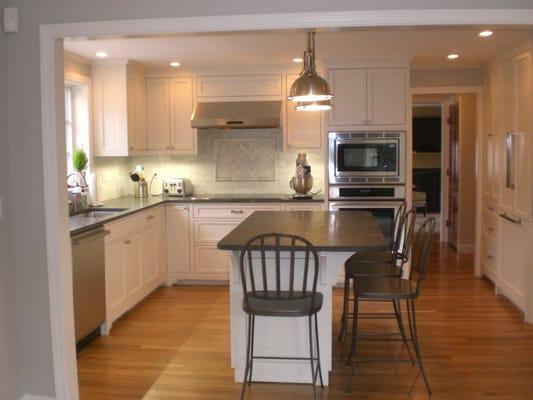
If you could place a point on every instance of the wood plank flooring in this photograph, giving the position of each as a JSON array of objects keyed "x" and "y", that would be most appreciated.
[{"x": 175, "y": 345}]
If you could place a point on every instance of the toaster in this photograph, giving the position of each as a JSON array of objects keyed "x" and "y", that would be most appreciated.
[{"x": 178, "y": 187}]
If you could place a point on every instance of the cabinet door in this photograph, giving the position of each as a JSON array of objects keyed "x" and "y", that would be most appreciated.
[
  {"x": 387, "y": 96},
  {"x": 136, "y": 113},
  {"x": 349, "y": 104},
  {"x": 110, "y": 130},
  {"x": 303, "y": 130},
  {"x": 178, "y": 242},
  {"x": 182, "y": 136},
  {"x": 157, "y": 114},
  {"x": 211, "y": 261},
  {"x": 133, "y": 269},
  {"x": 150, "y": 256},
  {"x": 115, "y": 265},
  {"x": 524, "y": 149}
]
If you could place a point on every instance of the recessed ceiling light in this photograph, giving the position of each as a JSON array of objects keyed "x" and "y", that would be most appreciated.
[
  {"x": 485, "y": 33},
  {"x": 101, "y": 54},
  {"x": 453, "y": 56},
  {"x": 174, "y": 64},
  {"x": 298, "y": 60}
]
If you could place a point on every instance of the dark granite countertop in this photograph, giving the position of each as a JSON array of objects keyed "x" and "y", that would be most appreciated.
[
  {"x": 327, "y": 230},
  {"x": 127, "y": 205}
]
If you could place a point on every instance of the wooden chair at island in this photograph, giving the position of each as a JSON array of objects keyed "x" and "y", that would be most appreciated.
[{"x": 267, "y": 294}]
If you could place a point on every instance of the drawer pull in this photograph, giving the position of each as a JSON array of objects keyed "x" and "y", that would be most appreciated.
[
  {"x": 492, "y": 209},
  {"x": 237, "y": 211},
  {"x": 490, "y": 257},
  {"x": 490, "y": 229},
  {"x": 127, "y": 241},
  {"x": 517, "y": 221},
  {"x": 150, "y": 217}
]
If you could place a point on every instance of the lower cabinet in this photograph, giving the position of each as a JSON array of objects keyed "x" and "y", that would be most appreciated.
[
  {"x": 194, "y": 230},
  {"x": 178, "y": 242},
  {"x": 135, "y": 261}
]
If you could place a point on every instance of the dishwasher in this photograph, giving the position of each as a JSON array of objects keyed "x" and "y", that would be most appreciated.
[{"x": 88, "y": 275}]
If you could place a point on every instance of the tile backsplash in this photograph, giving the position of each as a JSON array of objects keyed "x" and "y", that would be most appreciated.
[{"x": 233, "y": 161}]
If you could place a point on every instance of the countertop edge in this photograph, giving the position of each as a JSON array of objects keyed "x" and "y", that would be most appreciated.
[{"x": 185, "y": 200}]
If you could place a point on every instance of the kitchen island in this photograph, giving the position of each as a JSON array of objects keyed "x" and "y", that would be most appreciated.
[{"x": 336, "y": 236}]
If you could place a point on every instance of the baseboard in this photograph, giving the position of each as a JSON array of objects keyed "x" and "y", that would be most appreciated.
[
  {"x": 466, "y": 248},
  {"x": 35, "y": 397}
]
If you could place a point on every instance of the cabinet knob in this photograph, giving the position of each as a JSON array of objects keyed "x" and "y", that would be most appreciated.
[
  {"x": 237, "y": 211},
  {"x": 150, "y": 217},
  {"x": 127, "y": 241}
]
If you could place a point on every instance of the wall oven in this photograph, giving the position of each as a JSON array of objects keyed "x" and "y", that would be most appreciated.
[{"x": 366, "y": 157}]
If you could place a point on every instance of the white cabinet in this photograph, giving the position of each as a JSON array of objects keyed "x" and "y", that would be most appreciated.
[
  {"x": 238, "y": 86},
  {"x": 178, "y": 242},
  {"x": 169, "y": 110},
  {"x": 368, "y": 96},
  {"x": 515, "y": 259},
  {"x": 303, "y": 130},
  {"x": 182, "y": 136},
  {"x": 135, "y": 260},
  {"x": 119, "y": 127},
  {"x": 514, "y": 141},
  {"x": 158, "y": 114},
  {"x": 350, "y": 91}
]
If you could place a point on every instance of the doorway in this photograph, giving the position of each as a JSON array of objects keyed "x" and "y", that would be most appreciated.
[{"x": 448, "y": 166}]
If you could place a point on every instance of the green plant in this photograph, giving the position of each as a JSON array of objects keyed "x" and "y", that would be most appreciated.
[{"x": 79, "y": 160}]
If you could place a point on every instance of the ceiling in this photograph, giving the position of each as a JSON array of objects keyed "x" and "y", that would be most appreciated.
[{"x": 424, "y": 47}]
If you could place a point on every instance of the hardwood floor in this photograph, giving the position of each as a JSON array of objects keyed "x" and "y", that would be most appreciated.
[{"x": 175, "y": 345}]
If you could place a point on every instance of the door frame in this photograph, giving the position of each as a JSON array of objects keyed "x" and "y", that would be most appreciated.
[
  {"x": 58, "y": 252},
  {"x": 451, "y": 90}
]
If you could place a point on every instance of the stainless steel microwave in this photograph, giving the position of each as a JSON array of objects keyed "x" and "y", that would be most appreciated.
[{"x": 366, "y": 157}]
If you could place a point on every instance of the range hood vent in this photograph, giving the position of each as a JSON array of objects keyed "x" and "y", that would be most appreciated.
[{"x": 237, "y": 115}]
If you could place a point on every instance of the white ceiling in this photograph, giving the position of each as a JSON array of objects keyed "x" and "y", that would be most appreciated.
[{"x": 425, "y": 47}]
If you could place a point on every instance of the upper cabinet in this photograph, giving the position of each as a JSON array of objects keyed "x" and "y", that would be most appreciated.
[
  {"x": 169, "y": 109},
  {"x": 303, "y": 129},
  {"x": 233, "y": 87},
  {"x": 119, "y": 122},
  {"x": 513, "y": 139},
  {"x": 368, "y": 96}
]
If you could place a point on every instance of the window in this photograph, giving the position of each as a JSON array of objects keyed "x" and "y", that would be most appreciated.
[{"x": 76, "y": 120}]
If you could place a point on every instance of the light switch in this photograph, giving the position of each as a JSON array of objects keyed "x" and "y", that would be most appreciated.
[{"x": 11, "y": 19}]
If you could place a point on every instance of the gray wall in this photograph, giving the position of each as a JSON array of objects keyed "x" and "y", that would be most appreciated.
[
  {"x": 28, "y": 239},
  {"x": 8, "y": 365}
]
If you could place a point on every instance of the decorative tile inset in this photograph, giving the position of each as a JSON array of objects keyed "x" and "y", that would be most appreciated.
[{"x": 245, "y": 159}]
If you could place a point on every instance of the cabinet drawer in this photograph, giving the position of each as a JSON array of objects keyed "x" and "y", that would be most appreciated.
[
  {"x": 209, "y": 232},
  {"x": 122, "y": 227},
  {"x": 210, "y": 260},
  {"x": 152, "y": 215},
  {"x": 231, "y": 211},
  {"x": 303, "y": 207},
  {"x": 489, "y": 250},
  {"x": 490, "y": 223}
]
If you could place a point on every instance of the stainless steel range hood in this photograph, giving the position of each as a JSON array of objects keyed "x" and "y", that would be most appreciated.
[{"x": 237, "y": 115}]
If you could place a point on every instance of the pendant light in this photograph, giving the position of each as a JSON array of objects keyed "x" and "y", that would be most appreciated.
[
  {"x": 323, "y": 105},
  {"x": 310, "y": 87}
]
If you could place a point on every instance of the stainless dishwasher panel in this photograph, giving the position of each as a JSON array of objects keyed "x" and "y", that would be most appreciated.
[{"x": 88, "y": 274}]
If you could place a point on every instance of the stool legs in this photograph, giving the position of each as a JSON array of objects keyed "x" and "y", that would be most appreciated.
[
  {"x": 414, "y": 335},
  {"x": 398, "y": 312},
  {"x": 318, "y": 353},
  {"x": 344, "y": 307},
  {"x": 249, "y": 356}
]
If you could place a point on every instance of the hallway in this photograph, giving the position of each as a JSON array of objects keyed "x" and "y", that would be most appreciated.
[{"x": 175, "y": 345}]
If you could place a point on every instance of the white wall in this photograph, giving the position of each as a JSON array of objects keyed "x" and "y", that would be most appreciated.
[{"x": 34, "y": 352}]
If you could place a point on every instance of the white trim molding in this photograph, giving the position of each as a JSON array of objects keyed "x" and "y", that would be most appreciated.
[
  {"x": 34, "y": 397},
  {"x": 56, "y": 223}
]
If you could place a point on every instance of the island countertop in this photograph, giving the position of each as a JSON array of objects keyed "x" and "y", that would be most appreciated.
[{"x": 332, "y": 231}]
